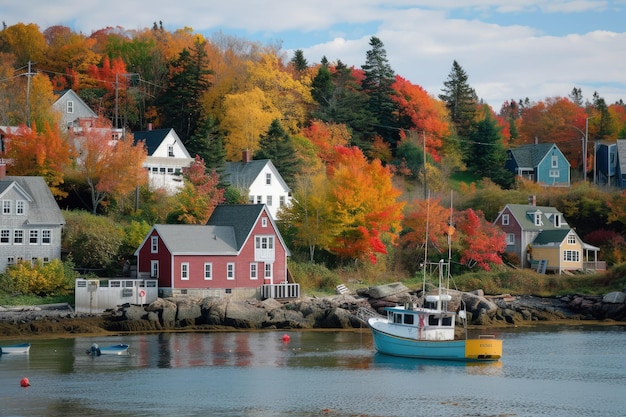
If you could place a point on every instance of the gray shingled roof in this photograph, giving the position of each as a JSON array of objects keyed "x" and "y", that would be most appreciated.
[
  {"x": 529, "y": 156},
  {"x": 241, "y": 217},
  {"x": 43, "y": 209},
  {"x": 241, "y": 174},
  {"x": 197, "y": 239}
]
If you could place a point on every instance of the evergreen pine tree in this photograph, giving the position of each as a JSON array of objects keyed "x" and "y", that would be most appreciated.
[
  {"x": 179, "y": 105},
  {"x": 460, "y": 99},
  {"x": 377, "y": 84},
  {"x": 298, "y": 61},
  {"x": 486, "y": 156},
  {"x": 277, "y": 146}
]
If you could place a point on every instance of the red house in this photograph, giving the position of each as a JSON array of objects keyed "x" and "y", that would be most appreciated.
[{"x": 237, "y": 253}]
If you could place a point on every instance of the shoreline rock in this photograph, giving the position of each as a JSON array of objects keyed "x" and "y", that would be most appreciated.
[{"x": 332, "y": 312}]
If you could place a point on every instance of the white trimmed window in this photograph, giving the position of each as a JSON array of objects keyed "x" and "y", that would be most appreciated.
[
  {"x": 33, "y": 237},
  {"x": 281, "y": 200},
  {"x": 6, "y": 206},
  {"x": 18, "y": 237},
  {"x": 11, "y": 260},
  {"x": 571, "y": 239},
  {"x": 5, "y": 236},
  {"x": 269, "y": 269},
  {"x": 154, "y": 244},
  {"x": 505, "y": 220},
  {"x": 264, "y": 222},
  {"x": 268, "y": 178},
  {"x": 19, "y": 207},
  {"x": 184, "y": 271},
  {"x": 254, "y": 274},
  {"x": 510, "y": 239},
  {"x": 230, "y": 271},
  {"x": 170, "y": 150},
  {"x": 208, "y": 271},
  {"x": 571, "y": 256},
  {"x": 555, "y": 161},
  {"x": 259, "y": 199},
  {"x": 268, "y": 200},
  {"x": 69, "y": 107},
  {"x": 46, "y": 236},
  {"x": 154, "y": 269}
]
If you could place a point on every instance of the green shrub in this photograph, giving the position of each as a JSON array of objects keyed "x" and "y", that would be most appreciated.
[{"x": 52, "y": 279}]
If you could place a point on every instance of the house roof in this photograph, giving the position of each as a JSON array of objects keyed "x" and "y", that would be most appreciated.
[
  {"x": 197, "y": 239},
  {"x": 529, "y": 156},
  {"x": 241, "y": 217},
  {"x": 547, "y": 237},
  {"x": 243, "y": 174},
  {"x": 43, "y": 208},
  {"x": 524, "y": 214},
  {"x": 152, "y": 138}
]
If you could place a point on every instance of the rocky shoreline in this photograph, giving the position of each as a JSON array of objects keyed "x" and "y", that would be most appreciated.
[{"x": 333, "y": 312}]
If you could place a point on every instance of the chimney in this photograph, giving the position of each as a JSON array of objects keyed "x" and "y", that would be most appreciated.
[
  {"x": 245, "y": 156},
  {"x": 532, "y": 200},
  {"x": 149, "y": 127},
  {"x": 3, "y": 169},
  {"x": 536, "y": 140}
]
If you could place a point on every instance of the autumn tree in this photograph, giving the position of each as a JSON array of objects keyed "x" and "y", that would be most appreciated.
[
  {"x": 246, "y": 117},
  {"x": 110, "y": 167},
  {"x": 44, "y": 154},
  {"x": 309, "y": 218},
  {"x": 25, "y": 42},
  {"x": 481, "y": 243},
  {"x": 364, "y": 205},
  {"x": 460, "y": 99},
  {"x": 199, "y": 196}
]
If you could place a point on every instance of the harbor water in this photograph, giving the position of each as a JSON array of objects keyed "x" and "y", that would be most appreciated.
[{"x": 547, "y": 370}]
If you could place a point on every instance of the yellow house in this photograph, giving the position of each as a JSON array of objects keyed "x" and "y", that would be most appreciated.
[{"x": 562, "y": 249}]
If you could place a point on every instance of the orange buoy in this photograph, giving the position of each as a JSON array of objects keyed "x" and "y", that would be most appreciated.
[
  {"x": 286, "y": 338},
  {"x": 24, "y": 382}
]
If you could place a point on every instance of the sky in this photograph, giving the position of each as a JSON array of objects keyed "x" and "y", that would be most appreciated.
[{"x": 510, "y": 49}]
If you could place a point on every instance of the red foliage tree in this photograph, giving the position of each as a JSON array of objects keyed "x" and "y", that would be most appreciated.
[{"x": 481, "y": 242}]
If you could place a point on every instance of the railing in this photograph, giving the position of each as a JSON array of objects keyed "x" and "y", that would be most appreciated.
[
  {"x": 282, "y": 290},
  {"x": 596, "y": 266},
  {"x": 363, "y": 314}
]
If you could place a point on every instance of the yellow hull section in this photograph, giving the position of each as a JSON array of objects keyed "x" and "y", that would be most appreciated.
[{"x": 483, "y": 349}]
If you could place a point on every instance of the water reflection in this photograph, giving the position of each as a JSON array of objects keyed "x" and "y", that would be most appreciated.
[{"x": 423, "y": 365}]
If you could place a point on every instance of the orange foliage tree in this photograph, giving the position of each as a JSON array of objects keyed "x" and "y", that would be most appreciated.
[
  {"x": 110, "y": 167},
  {"x": 421, "y": 112},
  {"x": 44, "y": 154},
  {"x": 364, "y": 205},
  {"x": 424, "y": 214}
]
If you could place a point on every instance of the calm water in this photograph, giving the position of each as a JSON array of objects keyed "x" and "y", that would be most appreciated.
[{"x": 546, "y": 371}]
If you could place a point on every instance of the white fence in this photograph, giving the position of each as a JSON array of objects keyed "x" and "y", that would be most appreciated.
[
  {"x": 280, "y": 291},
  {"x": 97, "y": 295}
]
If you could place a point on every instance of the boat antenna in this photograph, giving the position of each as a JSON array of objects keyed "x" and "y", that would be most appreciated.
[{"x": 426, "y": 244}]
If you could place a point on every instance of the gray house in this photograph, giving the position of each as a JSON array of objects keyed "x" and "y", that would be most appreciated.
[
  {"x": 73, "y": 109},
  {"x": 30, "y": 221}
]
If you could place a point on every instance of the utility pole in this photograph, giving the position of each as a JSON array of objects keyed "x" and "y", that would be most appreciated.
[{"x": 28, "y": 75}]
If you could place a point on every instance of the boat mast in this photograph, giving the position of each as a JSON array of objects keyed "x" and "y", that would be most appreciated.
[{"x": 426, "y": 246}]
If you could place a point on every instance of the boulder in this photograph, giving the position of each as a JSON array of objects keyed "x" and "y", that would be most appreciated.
[
  {"x": 387, "y": 290},
  {"x": 187, "y": 310},
  {"x": 243, "y": 315},
  {"x": 134, "y": 312},
  {"x": 166, "y": 310},
  {"x": 616, "y": 297}
]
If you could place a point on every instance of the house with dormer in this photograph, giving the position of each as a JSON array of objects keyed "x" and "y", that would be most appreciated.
[
  {"x": 239, "y": 253},
  {"x": 30, "y": 221},
  {"x": 260, "y": 181},
  {"x": 541, "y": 238},
  {"x": 543, "y": 163},
  {"x": 167, "y": 156}
]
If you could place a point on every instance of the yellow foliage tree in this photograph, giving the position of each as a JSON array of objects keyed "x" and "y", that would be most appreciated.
[{"x": 247, "y": 116}]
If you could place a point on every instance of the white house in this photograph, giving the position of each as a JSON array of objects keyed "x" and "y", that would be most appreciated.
[
  {"x": 260, "y": 180},
  {"x": 167, "y": 156}
]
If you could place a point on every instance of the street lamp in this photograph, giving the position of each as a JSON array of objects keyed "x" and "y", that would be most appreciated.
[{"x": 585, "y": 135}]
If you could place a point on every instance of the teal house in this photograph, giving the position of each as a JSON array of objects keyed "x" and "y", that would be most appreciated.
[{"x": 543, "y": 163}]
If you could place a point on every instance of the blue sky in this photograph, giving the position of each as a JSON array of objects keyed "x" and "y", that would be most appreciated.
[{"x": 510, "y": 49}]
